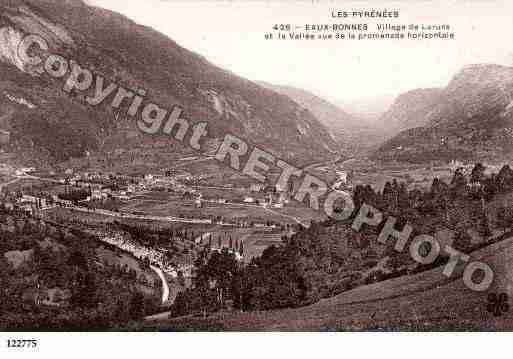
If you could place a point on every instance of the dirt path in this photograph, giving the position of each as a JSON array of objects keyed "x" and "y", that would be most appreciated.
[{"x": 165, "y": 286}]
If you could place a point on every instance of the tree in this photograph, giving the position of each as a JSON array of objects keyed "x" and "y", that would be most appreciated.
[
  {"x": 390, "y": 194},
  {"x": 84, "y": 292},
  {"x": 137, "y": 306},
  {"x": 504, "y": 179},
  {"x": 505, "y": 217},
  {"x": 477, "y": 174},
  {"x": 5, "y": 269},
  {"x": 462, "y": 241},
  {"x": 403, "y": 196},
  {"x": 458, "y": 183},
  {"x": 483, "y": 226},
  {"x": 241, "y": 248},
  {"x": 439, "y": 187}
]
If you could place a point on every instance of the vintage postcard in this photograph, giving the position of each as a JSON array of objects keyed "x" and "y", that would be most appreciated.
[{"x": 255, "y": 166}]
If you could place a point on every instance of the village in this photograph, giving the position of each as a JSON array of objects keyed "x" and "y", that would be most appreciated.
[{"x": 47, "y": 194}]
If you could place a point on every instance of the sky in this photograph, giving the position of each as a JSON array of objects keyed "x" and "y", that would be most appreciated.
[{"x": 230, "y": 34}]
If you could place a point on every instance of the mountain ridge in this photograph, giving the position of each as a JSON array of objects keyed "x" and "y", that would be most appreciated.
[
  {"x": 470, "y": 119},
  {"x": 353, "y": 132},
  {"x": 136, "y": 56}
]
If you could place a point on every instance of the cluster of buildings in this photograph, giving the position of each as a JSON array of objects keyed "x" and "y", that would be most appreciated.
[
  {"x": 344, "y": 180},
  {"x": 103, "y": 186},
  {"x": 465, "y": 168},
  {"x": 53, "y": 297},
  {"x": 19, "y": 100},
  {"x": 32, "y": 204},
  {"x": 8, "y": 170},
  {"x": 154, "y": 256},
  {"x": 276, "y": 200},
  {"x": 141, "y": 252},
  {"x": 267, "y": 196}
]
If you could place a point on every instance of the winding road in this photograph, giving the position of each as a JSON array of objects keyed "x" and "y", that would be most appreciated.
[{"x": 165, "y": 285}]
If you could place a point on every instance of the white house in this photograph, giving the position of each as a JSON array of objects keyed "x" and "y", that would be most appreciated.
[
  {"x": 342, "y": 176},
  {"x": 96, "y": 194},
  {"x": 256, "y": 187}
]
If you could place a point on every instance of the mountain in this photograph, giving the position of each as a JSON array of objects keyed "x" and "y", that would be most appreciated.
[
  {"x": 353, "y": 132},
  {"x": 48, "y": 125},
  {"x": 471, "y": 118},
  {"x": 410, "y": 110}
]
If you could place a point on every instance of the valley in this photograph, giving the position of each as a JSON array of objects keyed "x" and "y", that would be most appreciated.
[{"x": 107, "y": 226}]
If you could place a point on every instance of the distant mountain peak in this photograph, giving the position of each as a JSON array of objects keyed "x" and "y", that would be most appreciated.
[
  {"x": 352, "y": 132},
  {"x": 469, "y": 118}
]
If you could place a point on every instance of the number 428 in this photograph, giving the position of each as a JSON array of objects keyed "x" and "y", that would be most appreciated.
[{"x": 282, "y": 27}]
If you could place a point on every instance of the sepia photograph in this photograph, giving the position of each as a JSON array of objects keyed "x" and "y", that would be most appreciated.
[{"x": 254, "y": 166}]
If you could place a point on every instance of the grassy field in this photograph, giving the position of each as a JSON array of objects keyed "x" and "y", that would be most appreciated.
[
  {"x": 427, "y": 301},
  {"x": 35, "y": 184},
  {"x": 100, "y": 219},
  {"x": 186, "y": 208}
]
